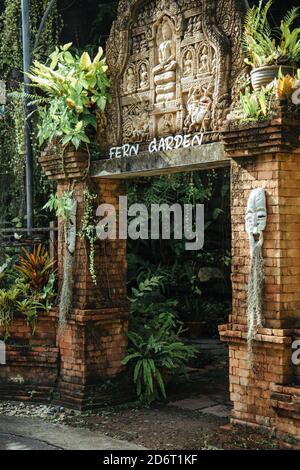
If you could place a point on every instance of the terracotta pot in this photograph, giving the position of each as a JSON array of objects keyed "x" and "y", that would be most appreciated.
[
  {"x": 263, "y": 76},
  {"x": 64, "y": 165}
]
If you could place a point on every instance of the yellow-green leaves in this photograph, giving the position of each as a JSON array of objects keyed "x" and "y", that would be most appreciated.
[
  {"x": 79, "y": 126},
  {"x": 101, "y": 102},
  {"x": 85, "y": 61},
  {"x": 285, "y": 86},
  {"x": 98, "y": 56},
  {"x": 74, "y": 86},
  {"x": 68, "y": 46},
  {"x": 71, "y": 104},
  {"x": 255, "y": 106}
]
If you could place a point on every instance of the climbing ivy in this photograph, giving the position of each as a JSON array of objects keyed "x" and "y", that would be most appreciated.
[
  {"x": 12, "y": 148},
  {"x": 88, "y": 230}
]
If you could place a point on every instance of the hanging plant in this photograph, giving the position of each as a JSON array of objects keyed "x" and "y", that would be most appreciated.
[
  {"x": 65, "y": 207},
  {"x": 88, "y": 230}
]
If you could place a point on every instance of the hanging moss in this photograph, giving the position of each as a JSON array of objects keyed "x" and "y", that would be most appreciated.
[{"x": 255, "y": 297}]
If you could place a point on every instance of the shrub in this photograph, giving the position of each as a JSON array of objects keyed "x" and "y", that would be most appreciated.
[
  {"x": 8, "y": 302},
  {"x": 156, "y": 353},
  {"x": 74, "y": 86},
  {"x": 256, "y": 106}
]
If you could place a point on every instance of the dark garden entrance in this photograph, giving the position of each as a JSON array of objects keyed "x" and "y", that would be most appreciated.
[
  {"x": 197, "y": 287},
  {"x": 194, "y": 286}
]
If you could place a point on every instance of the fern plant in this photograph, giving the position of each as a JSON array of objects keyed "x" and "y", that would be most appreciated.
[
  {"x": 155, "y": 352},
  {"x": 30, "y": 308},
  {"x": 256, "y": 105},
  {"x": 265, "y": 45},
  {"x": 289, "y": 43}
]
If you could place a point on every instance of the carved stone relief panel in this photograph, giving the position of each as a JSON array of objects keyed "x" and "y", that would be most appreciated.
[
  {"x": 165, "y": 68},
  {"x": 173, "y": 65},
  {"x": 144, "y": 75},
  {"x": 136, "y": 123}
]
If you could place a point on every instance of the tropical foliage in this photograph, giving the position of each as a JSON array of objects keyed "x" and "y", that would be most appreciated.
[
  {"x": 169, "y": 258},
  {"x": 36, "y": 267},
  {"x": 261, "y": 105},
  {"x": 8, "y": 299},
  {"x": 27, "y": 287},
  {"x": 256, "y": 105},
  {"x": 74, "y": 86},
  {"x": 156, "y": 352},
  {"x": 165, "y": 290},
  {"x": 12, "y": 154},
  {"x": 265, "y": 45},
  {"x": 61, "y": 205}
]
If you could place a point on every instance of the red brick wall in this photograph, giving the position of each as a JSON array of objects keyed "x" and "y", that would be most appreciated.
[
  {"x": 45, "y": 335},
  {"x": 253, "y": 389},
  {"x": 94, "y": 341},
  {"x": 110, "y": 255},
  {"x": 31, "y": 368}
]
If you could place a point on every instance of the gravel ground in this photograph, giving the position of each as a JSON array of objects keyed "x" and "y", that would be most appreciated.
[
  {"x": 190, "y": 421},
  {"x": 160, "y": 427}
]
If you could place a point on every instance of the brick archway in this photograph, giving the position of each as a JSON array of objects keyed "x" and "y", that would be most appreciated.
[{"x": 265, "y": 155}]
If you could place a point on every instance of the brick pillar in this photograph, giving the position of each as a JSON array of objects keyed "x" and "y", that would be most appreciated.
[
  {"x": 94, "y": 341},
  {"x": 268, "y": 156}
]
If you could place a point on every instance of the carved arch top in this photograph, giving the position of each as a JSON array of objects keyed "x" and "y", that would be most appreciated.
[{"x": 173, "y": 66}]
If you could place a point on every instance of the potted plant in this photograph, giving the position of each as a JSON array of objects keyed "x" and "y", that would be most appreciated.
[
  {"x": 74, "y": 87},
  {"x": 270, "y": 49}
]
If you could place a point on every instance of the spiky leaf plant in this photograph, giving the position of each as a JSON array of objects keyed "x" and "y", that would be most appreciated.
[{"x": 36, "y": 267}]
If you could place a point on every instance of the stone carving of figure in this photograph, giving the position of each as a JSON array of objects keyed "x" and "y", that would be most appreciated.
[
  {"x": 166, "y": 124},
  {"x": 188, "y": 64},
  {"x": 165, "y": 4},
  {"x": 136, "y": 125},
  {"x": 256, "y": 221},
  {"x": 144, "y": 76},
  {"x": 130, "y": 81},
  {"x": 204, "y": 60},
  {"x": 256, "y": 218},
  {"x": 144, "y": 126},
  {"x": 199, "y": 109},
  {"x": 165, "y": 72}
]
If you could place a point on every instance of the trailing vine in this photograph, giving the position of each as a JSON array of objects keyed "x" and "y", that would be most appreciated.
[
  {"x": 10, "y": 46},
  {"x": 12, "y": 154},
  {"x": 64, "y": 206},
  {"x": 88, "y": 230}
]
